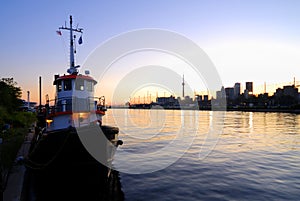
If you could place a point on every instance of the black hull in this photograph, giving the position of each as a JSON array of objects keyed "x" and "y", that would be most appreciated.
[
  {"x": 60, "y": 168},
  {"x": 63, "y": 149}
]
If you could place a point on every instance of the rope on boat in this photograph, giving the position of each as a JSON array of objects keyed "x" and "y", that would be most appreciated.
[
  {"x": 43, "y": 166},
  {"x": 36, "y": 166}
]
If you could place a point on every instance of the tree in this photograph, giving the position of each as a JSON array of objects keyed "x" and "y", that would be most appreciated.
[
  {"x": 10, "y": 113},
  {"x": 10, "y": 95}
]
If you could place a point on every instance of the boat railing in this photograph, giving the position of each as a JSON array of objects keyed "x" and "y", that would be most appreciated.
[{"x": 75, "y": 104}]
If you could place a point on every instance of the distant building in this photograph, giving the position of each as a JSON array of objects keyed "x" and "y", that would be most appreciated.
[
  {"x": 290, "y": 91},
  {"x": 221, "y": 94},
  {"x": 246, "y": 93},
  {"x": 249, "y": 86},
  {"x": 188, "y": 100},
  {"x": 287, "y": 91},
  {"x": 28, "y": 106},
  {"x": 198, "y": 98},
  {"x": 165, "y": 100},
  {"x": 229, "y": 91},
  {"x": 237, "y": 89},
  {"x": 204, "y": 103},
  {"x": 287, "y": 96}
]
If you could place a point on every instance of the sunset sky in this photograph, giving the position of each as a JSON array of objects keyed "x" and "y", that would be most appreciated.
[{"x": 255, "y": 41}]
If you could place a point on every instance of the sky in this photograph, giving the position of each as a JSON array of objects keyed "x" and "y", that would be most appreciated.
[{"x": 253, "y": 40}]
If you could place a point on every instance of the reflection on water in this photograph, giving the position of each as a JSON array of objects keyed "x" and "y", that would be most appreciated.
[
  {"x": 265, "y": 131},
  {"x": 257, "y": 156}
]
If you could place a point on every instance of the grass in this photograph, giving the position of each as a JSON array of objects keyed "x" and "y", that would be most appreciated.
[{"x": 12, "y": 141}]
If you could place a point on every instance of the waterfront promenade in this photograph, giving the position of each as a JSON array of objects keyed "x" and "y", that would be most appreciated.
[{"x": 14, "y": 186}]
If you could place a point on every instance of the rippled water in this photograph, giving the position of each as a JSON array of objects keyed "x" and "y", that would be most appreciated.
[{"x": 249, "y": 156}]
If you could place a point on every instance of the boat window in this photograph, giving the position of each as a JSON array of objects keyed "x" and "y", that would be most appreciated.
[
  {"x": 59, "y": 86},
  {"x": 68, "y": 85},
  {"x": 89, "y": 86},
  {"x": 79, "y": 84}
]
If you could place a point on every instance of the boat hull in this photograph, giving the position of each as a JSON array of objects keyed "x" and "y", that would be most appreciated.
[
  {"x": 60, "y": 168},
  {"x": 63, "y": 148}
]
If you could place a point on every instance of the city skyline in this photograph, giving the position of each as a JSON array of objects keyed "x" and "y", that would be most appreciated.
[
  {"x": 255, "y": 41},
  {"x": 149, "y": 95}
]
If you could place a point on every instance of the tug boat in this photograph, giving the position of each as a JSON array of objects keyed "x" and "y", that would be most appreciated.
[
  {"x": 57, "y": 144},
  {"x": 59, "y": 166}
]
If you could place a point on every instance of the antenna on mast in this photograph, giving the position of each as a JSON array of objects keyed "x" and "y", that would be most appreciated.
[{"x": 73, "y": 68}]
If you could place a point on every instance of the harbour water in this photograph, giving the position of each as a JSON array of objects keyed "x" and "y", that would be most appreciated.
[{"x": 253, "y": 156}]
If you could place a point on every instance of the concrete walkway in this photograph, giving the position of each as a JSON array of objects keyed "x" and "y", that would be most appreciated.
[{"x": 16, "y": 176}]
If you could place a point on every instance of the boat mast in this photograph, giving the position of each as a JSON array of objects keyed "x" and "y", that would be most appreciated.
[{"x": 73, "y": 68}]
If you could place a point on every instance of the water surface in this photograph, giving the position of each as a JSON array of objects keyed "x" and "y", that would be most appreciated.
[{"x": 257, "y": 156}]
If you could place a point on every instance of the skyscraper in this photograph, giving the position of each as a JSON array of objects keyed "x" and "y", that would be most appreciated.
[
  {"x": 237, "y": 89},
  {"x": 249, "y": 86}
]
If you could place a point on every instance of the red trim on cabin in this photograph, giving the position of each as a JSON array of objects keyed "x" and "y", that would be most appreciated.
[
  {"x": 100, "y": 112},
  {"x": 59, "y": 113},
  {"x": 66, "y": 77}
]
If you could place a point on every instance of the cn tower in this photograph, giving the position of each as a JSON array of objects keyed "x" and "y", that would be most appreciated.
[{"x": 183, "y": 86}]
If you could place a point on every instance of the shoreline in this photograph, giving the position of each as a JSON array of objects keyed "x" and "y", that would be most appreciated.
[
  {"x": 268, "y": 110},
  {"x": 277, "y": 110}
]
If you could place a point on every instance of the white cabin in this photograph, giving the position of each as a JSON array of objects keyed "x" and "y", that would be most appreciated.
[{"x": 75, "y": 104}]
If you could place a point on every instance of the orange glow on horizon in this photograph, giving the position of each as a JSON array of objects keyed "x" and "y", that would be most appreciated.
[{"x": 141, "y": 95}]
